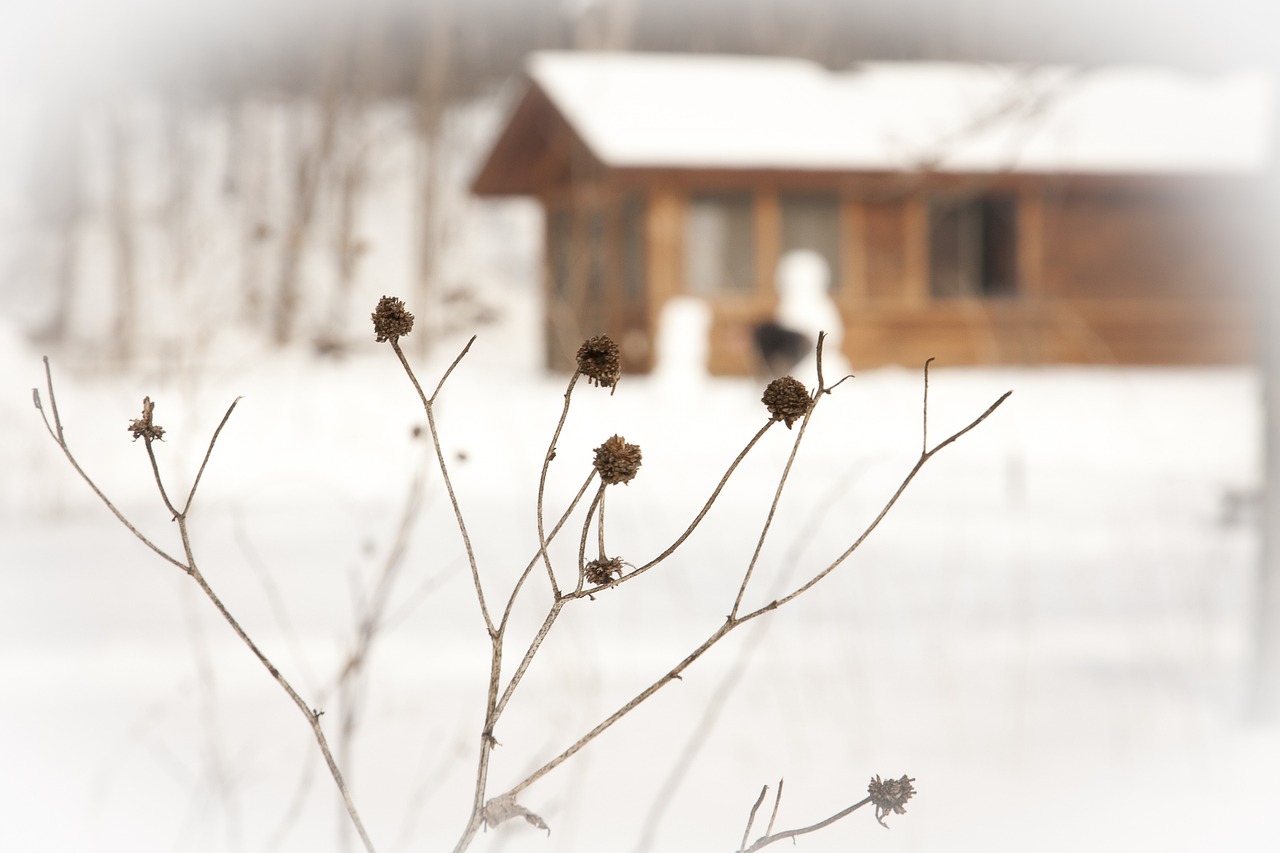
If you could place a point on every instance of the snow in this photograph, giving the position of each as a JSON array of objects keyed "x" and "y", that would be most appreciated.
[
  {"x": 740, "y": 112},
  {"x": 1049, "y": 632}
]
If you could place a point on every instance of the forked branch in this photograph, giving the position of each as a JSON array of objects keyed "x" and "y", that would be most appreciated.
[{"x": 146, "y": 429}]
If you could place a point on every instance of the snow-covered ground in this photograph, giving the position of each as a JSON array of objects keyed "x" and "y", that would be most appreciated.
[{"x": 1049, "y": 633}]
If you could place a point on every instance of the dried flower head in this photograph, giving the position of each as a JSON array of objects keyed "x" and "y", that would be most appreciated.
[
  {"x": 145, "y": 427},
  {"x": 616, "y": 461},
  {"x": 603, "y": 570},
  {"x": 390, "y": 320},
  {"x": 890, "y": 795},
  {"x": 787, "y": 400},
  {"x": 598, "y": 361}
]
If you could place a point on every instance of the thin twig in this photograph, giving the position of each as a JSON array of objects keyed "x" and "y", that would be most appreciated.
[
  {"x": 736, "y": 621},
  {"x": 702, "y": 513},
  {"x": 751, "y": 818},
  {"x": 155, "y": 470},
  {"x": 608, "y": 722},
  {"x": 428, "y": 405},
  {"x": 924, "y": 410},
  {"x": 190, "y": 567},
  {"x": 777, "y": 801},
  {"x": 819, "y": 392},
  {"x": 195, "y": 484},
  {"x": 793, "y": 833},
  {"x": 313, "y": 716},
  {"x": 596, "y": 503},
  {"x": 55, "y": 432},
  {"x": 902, "y": 487},
  {"x": 542, "y": 484},
  {"x": 511, "y": 601},
  {"x": 773, "y": 505}
]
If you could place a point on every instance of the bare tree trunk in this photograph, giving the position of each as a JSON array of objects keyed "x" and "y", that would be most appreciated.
[
  {"x": 433, "y": 89},
  {"x": 124, "y": 325},
  {"x": 56, "y": 201},
  {"x": 351, "y": 172},
  {"x": 310, "y": 159}
]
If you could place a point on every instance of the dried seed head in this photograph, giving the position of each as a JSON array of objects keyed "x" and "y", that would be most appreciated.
[
  {"x": 890, "y": 795},
  {"x": 603, "y": 570},
  {"x": 598, "y": 361},
  {"x": 616, "y": 461},
  {"x": 145, "y": 427},
  {"x": 787, "y": 400},
  {"x": 390, "y": 320}
]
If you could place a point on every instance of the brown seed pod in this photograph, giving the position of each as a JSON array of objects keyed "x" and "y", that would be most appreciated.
[
  {"x": 890, "y": 795},
  {"x": 390, "y": 320},
  {"x": 598, "y": 360},
  {"x": 145, "y": 427},
  {"x": 603, "y": 570},
  {"x": 787, "y": 400},
  {"x": 616, "y": 461}
]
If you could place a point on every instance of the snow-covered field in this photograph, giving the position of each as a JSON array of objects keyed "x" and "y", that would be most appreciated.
[{"x": 1049, "y": 633}]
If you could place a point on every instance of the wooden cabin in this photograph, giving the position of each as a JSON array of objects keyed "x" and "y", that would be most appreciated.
[{"x": 977, "y": 214}]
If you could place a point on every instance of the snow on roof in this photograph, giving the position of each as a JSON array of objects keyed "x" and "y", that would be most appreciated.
[{"x": 655, "y": 110}]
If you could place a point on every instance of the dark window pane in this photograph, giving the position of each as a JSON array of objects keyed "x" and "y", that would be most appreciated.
[
  {"x": 719, "y": 245},
  {"x": 633, "y": 233},
  {"x": 973, "y": 247},
  {"x": 812, "y": 221},
  {"x": 561, "y": 227}
]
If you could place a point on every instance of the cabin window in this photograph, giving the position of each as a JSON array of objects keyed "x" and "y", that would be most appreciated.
[
  {"x": 812, "y": 221},
  {"x": 633, "y": 262},
  {"x": 561, "y": 246},
  {"x": 973, "y": 246},
  {"x": 719, "y": 244},
  {"x": 594, "y": 314}
]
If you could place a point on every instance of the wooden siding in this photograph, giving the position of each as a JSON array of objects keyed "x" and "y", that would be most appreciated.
[{"x": 1110, "y": 269}]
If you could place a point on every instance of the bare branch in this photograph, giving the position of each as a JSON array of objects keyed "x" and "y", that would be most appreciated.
[
  {"x": 428, "y": 406},
  {"x": 924, "y": 409},
  {"x": 506, "y": 613},
  {"x": 793, "y": 833},
  {"x": 751, "y": 818},
  {"x": 773, "y": 505},
  {"x": 209, "y": 452},
  {"x": 454, "y": 364},
  {"x": 777, "y": 801},
  {"x": 902, "y": 487},
  {"x": 702, "y": 513},
  {"x": 55, "y": 432},
  {"x": 155, "y": 470},
  {"x": 542, "y": 484}
]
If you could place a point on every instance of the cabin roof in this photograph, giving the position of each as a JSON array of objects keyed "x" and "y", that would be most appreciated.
[{"x": 668, "y": 111}]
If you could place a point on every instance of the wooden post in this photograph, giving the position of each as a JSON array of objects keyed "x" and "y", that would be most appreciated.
[
  {"x": 768, "y": 243},
  {"x": 853, "y": 287},
  {"x": 915, "y": 246}
]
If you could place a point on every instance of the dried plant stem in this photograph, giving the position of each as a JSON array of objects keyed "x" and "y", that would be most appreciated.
[
  {"x": 596, "y": 509},
  {"x": 190, "y": 567},
  {"x": 428, "y": 405},
  {"x": 777, "y": 801},
  {"x": 542, "y": 485},
  {"x": 524, "y": 576},
  {"x": 751, "y": 818},
  {"x": 735, "y": 621},
  {"x": 313, "y": 716},
  {"x": 773, "y": 506},
  {"x": 608, "y": 722},
  {"x": 768, "y": 839},
  {"x": 920, "y": 463},
  {"x": 55, "y": 432},
  {"x": 702, "y": 513}
]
